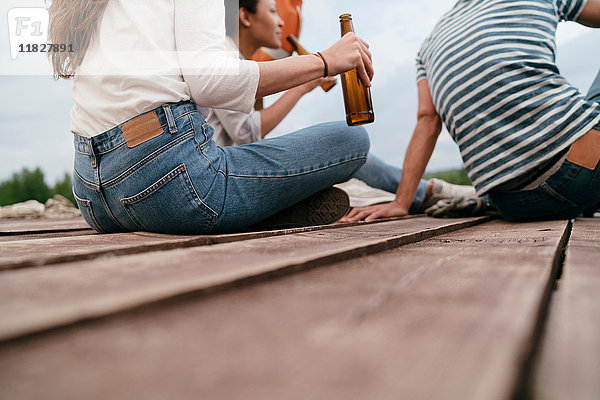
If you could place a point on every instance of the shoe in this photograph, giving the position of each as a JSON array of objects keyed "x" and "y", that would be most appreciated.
[
  {"x": 322, "y": 208},
  {"x": 362, "y": 195},
  {"x": 443, "y": 190},
  {"x": 459, "y": 208}
]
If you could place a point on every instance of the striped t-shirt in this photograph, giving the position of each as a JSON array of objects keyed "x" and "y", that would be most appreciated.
[{"x": 490, "y": 66}]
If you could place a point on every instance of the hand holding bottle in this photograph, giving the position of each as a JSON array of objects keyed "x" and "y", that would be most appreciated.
[{"x": 348, "y": 53}]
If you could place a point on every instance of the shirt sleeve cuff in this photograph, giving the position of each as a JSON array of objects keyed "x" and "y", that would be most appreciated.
[{"x": 248, "y": 97}]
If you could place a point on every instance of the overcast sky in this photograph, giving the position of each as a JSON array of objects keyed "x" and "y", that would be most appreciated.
[{"x": 34, "y": 110}]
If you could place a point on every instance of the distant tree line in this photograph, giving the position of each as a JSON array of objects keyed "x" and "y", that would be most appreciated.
[{"x": 30, "y": 185}]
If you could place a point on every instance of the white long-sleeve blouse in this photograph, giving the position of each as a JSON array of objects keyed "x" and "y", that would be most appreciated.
[{"x": 149, "y": 52}]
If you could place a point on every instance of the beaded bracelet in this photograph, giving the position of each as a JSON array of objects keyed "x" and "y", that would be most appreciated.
[{"x": 326, "y": 72}]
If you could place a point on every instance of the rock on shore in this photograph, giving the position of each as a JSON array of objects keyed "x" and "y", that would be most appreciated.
[{"x": 56, "y": 207}]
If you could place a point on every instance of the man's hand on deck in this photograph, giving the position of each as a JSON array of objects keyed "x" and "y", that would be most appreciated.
[{"x": 384, "y": 210}]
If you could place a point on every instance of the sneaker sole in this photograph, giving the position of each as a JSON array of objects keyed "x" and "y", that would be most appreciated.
[{"x": 322, "y": 208}]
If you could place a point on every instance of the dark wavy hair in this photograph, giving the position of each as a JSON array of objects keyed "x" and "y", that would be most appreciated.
[{"x": 249, "y": 5}]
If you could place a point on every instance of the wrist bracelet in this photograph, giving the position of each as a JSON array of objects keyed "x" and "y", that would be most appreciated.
[{"x": 326, "y": 71}]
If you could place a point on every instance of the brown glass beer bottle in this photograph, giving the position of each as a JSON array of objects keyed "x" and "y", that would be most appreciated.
[
  {"x": 302, "y": 51},
  {"x": 357, "y": 96}
]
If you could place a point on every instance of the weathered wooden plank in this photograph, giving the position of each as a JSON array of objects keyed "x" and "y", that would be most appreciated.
[
  {"x": 38, "y": 299},
  {"x": 47, "y": 235},
  {"x": 446, "y": 318},
  {"x": 29, "y": 226},
  {"x": 43, "y": 251},
  {"x": 51, "y": 225},
  {"x": 15, "y": 254},
  {"x": 569, "y": 365}
]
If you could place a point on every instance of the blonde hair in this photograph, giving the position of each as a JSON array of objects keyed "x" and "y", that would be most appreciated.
[{"x": 72, "y": 22}]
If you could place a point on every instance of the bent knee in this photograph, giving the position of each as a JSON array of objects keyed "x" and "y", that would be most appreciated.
[
  {"x": 355, "y": 136},
  {"x": 361, "y": 136},
  {"x": 348, "y": 140}
]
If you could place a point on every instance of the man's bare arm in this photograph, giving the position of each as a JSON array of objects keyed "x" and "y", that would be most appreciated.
[
  {"x": 420, "y": 148},
  {"x": 590, "y": 16},
  {"x": 417, "y": 156}
]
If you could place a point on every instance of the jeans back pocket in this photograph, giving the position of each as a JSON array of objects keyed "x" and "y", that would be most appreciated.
[
  {"x": 85, "y": 207},
  {"x": 170, "y": 205}
]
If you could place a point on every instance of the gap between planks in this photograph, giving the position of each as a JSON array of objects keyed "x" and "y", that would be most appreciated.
[
  {"x": 17, "y": 227},
  {"x": 568, "y": 363},
  {"x": 78, "y": 248},
  {"x": 526, "y": 369}
]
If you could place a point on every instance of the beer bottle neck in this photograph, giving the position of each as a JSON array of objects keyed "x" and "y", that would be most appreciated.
[{"x": 346, "y": 24}]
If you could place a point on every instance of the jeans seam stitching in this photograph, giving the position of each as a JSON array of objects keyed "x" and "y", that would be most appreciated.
[
  {"x": 137, "y": 223},
  {"x": 155, "y": 186},
  {"x": 87, "y": 203},
  {"x": 595, "y": 179},
  {"x": 147, "y": 192},
  {"x": 100, "y": 153},
  {"x": 185, "y": 114},
  {"x": 199, "y": 145},
  {"x": 206, "y": 141},
  {"x": 216, "y": 214},
  {"x": 146, "y": 160},
  {"x": 180, "y": 170},
  {"x": 171, "y": 124},
  {"x": 84, "y": 182},
  {"x": 296, "y": 174},
  {"x": 109, "y": 211},
  {"x": 550, "y": 191}
]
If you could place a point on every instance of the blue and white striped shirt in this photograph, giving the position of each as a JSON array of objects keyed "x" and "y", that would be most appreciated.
[{"x": 490, "y": 66}]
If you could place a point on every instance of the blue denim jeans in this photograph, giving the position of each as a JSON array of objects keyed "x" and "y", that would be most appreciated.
[
  {"x": 570, "y": 191},
  {"x": 380, "y": 175},
  {"x": 182, "y": 182}
]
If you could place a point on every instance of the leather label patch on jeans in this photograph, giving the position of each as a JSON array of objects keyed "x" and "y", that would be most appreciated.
[
  {"x": 141, "y": 129},
  {"x": 586, "y": 150}
]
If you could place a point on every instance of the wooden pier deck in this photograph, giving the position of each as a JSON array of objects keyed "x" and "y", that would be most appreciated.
[{"x": 411, "y": 308}]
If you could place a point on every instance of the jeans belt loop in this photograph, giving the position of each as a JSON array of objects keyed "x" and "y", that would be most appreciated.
[
  {"x": 92, "y": 153},
  {"x": 170, "y": 119}
]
